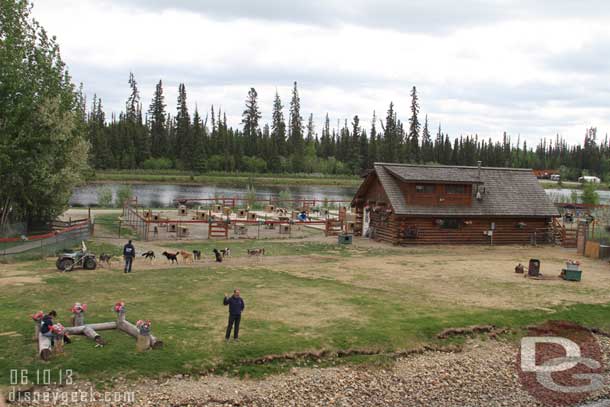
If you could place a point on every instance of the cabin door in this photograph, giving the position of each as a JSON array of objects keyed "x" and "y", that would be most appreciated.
[{"x": 366, "y": 221}]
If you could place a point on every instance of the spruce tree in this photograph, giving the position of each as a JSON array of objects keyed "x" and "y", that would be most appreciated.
[
  {"x": 156, "y": 124},
  {"x": 278, "y": 134},
  {"x": 184, "y": 145},
  {"x": 250, "y": 120},
  {"x": 296, "y": 144},
  {"x": 414, "y": 125}
]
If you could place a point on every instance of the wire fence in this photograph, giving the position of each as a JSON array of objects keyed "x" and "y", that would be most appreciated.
[{"x": 49, "y": 244}]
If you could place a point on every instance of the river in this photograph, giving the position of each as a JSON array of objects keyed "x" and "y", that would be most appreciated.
[{"x": 163, "y": 195}]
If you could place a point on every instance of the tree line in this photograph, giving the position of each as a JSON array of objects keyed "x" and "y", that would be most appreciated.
[
  {"x": 200, "y": 142},
  {"x": 49, "y": 137}
]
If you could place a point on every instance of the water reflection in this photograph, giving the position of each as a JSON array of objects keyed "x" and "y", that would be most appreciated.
[{"x": 163, "y": 195}]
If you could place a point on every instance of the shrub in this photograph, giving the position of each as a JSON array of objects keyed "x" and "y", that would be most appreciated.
[
  {"x": 157, "y": 164},
  {"x": 104, "y": 196},
  {"x": 285, "y": 198},
  {"x": 123, "y": 194},
  {"x": 589, "y": 194},
  {"x": 254, "y": 164}
]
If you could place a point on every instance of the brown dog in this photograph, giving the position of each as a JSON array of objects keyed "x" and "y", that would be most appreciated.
[{"x": 186, "y": 256}]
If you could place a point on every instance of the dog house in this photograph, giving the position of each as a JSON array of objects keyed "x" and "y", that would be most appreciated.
[
  {"x": 251, "y": 216},
  {"x": 217, "y": 208},
  {"x": 269, "y": 208},
  {"x": 156, "y": 217},
  {"x": 242, "y": 213},
  {"x": 324, "y": 212},
  {"x": 172, "y": 227},
  {"x": 201, "y": 216},
  {"x": 148, "y": 214},
  {"x": 183, "y": 231},
  {"x": 182, "y": 211},
  {"x": 284, "y": 229}
]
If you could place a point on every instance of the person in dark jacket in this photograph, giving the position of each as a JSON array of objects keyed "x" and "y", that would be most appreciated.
[
  {"x": 236, "y": 306},
  {"x": 47, "y": 323},
  {"x": 129, "y": 252}
]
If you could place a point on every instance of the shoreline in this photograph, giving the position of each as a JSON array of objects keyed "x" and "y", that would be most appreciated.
[{"x": 256, "y": 180}]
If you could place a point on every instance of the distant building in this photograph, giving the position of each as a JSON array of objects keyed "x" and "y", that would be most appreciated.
[
  {"x": 589, "y": 179},
  {"x": 414, "y": 204},
  {"x": 545, "y": 174}
]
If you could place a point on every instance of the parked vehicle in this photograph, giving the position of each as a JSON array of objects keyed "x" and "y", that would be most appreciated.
[
  {"x": 590, "y": 179},
  {"x": 79, "y": 259},
  {"x": 555, "y": 177}
]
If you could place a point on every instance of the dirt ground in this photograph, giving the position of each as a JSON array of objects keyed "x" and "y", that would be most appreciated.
[
  {"x": 472, "y": 275},
  {"x": 462, "y": 275}
]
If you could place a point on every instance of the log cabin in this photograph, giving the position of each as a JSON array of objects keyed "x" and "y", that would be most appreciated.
[{"x": 436, "y": 204}]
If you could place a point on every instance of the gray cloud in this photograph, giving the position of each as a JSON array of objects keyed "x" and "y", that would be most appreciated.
[
  {"x": 413, "y": 16},
  {"x": 592, "y": 58},
  {"x": 431, "y": 16}
]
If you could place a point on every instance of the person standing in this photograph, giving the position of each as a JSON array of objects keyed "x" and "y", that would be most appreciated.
[
  {"x": 236, "y": 306},
  {"x": 129, "y": 252}
]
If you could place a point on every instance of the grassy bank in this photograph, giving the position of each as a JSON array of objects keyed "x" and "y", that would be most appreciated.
[
  {"x": 184, "y": 177},
  {"x": 287, "y": 310}
]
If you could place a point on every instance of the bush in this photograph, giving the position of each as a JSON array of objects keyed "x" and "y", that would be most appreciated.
[
  {"x": 251, "y": 197},
  {"x": 254, "y": 164},
  {"x": 285, "y": 198},
  {"x": 104, "y": 196},
  {"x": 589, "y": 194},
  {"x": 157, "y": 164},
  {"x": 124, "y": 193}
]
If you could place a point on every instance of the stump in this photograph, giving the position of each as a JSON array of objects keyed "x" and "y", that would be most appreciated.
[
  {"x": 44, "y": 347},
  {"x": 58, "y": 346},
  {"x": 143, "y": 343},
  {"x": 36, "y": 330},
  {"x": 78, "y": 319}
]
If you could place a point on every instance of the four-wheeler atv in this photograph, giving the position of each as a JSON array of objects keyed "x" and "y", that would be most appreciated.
[{"x": 82, "y": 258}]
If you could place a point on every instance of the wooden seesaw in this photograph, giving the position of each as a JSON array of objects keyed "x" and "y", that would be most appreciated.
[{"x": 141, "y": 331}]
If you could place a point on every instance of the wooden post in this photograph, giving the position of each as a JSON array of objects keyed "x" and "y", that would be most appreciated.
[
  {"x": 131, "y": 329},
  {"x": 36, "y": 330},
  {"x": 78, "y": 319},
  {"x": 80, "y": 330},
  {"x": 58, "y": 345},
  {"x": 44, "y": 347}
]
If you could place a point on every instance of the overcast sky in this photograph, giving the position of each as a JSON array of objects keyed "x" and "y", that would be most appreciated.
[{"x": 531, "y": 68}]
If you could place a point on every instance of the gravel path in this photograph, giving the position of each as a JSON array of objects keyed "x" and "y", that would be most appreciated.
[{"x": 482, "y": 375}]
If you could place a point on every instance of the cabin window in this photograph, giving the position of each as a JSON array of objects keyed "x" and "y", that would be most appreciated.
[
  {"x": 451, "y": 223},
  {"x": 425, "y": 189},
  {"x": 455, "y": 189}
]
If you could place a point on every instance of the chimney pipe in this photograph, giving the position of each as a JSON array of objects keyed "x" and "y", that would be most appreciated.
[{"x": 479, "y": 165}]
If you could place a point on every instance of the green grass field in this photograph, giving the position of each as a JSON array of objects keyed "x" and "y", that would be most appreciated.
[
  {"x": 184, "y": 177},
  {"x": 285, "y": 312}
]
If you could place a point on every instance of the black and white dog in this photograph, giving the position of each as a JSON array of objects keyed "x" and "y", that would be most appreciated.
[
  {"x": 226, "y": 252},
  {"x": 149, "y": 255},
  {"x": 218, "y": 255}
]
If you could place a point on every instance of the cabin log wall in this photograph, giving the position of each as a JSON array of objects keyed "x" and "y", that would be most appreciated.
[{"x": 388, "y": 227}]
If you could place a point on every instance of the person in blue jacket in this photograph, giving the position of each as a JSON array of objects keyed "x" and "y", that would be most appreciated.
[
  {"x": 129, "y": 252},
  {"x": 236, "y": 306}
]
